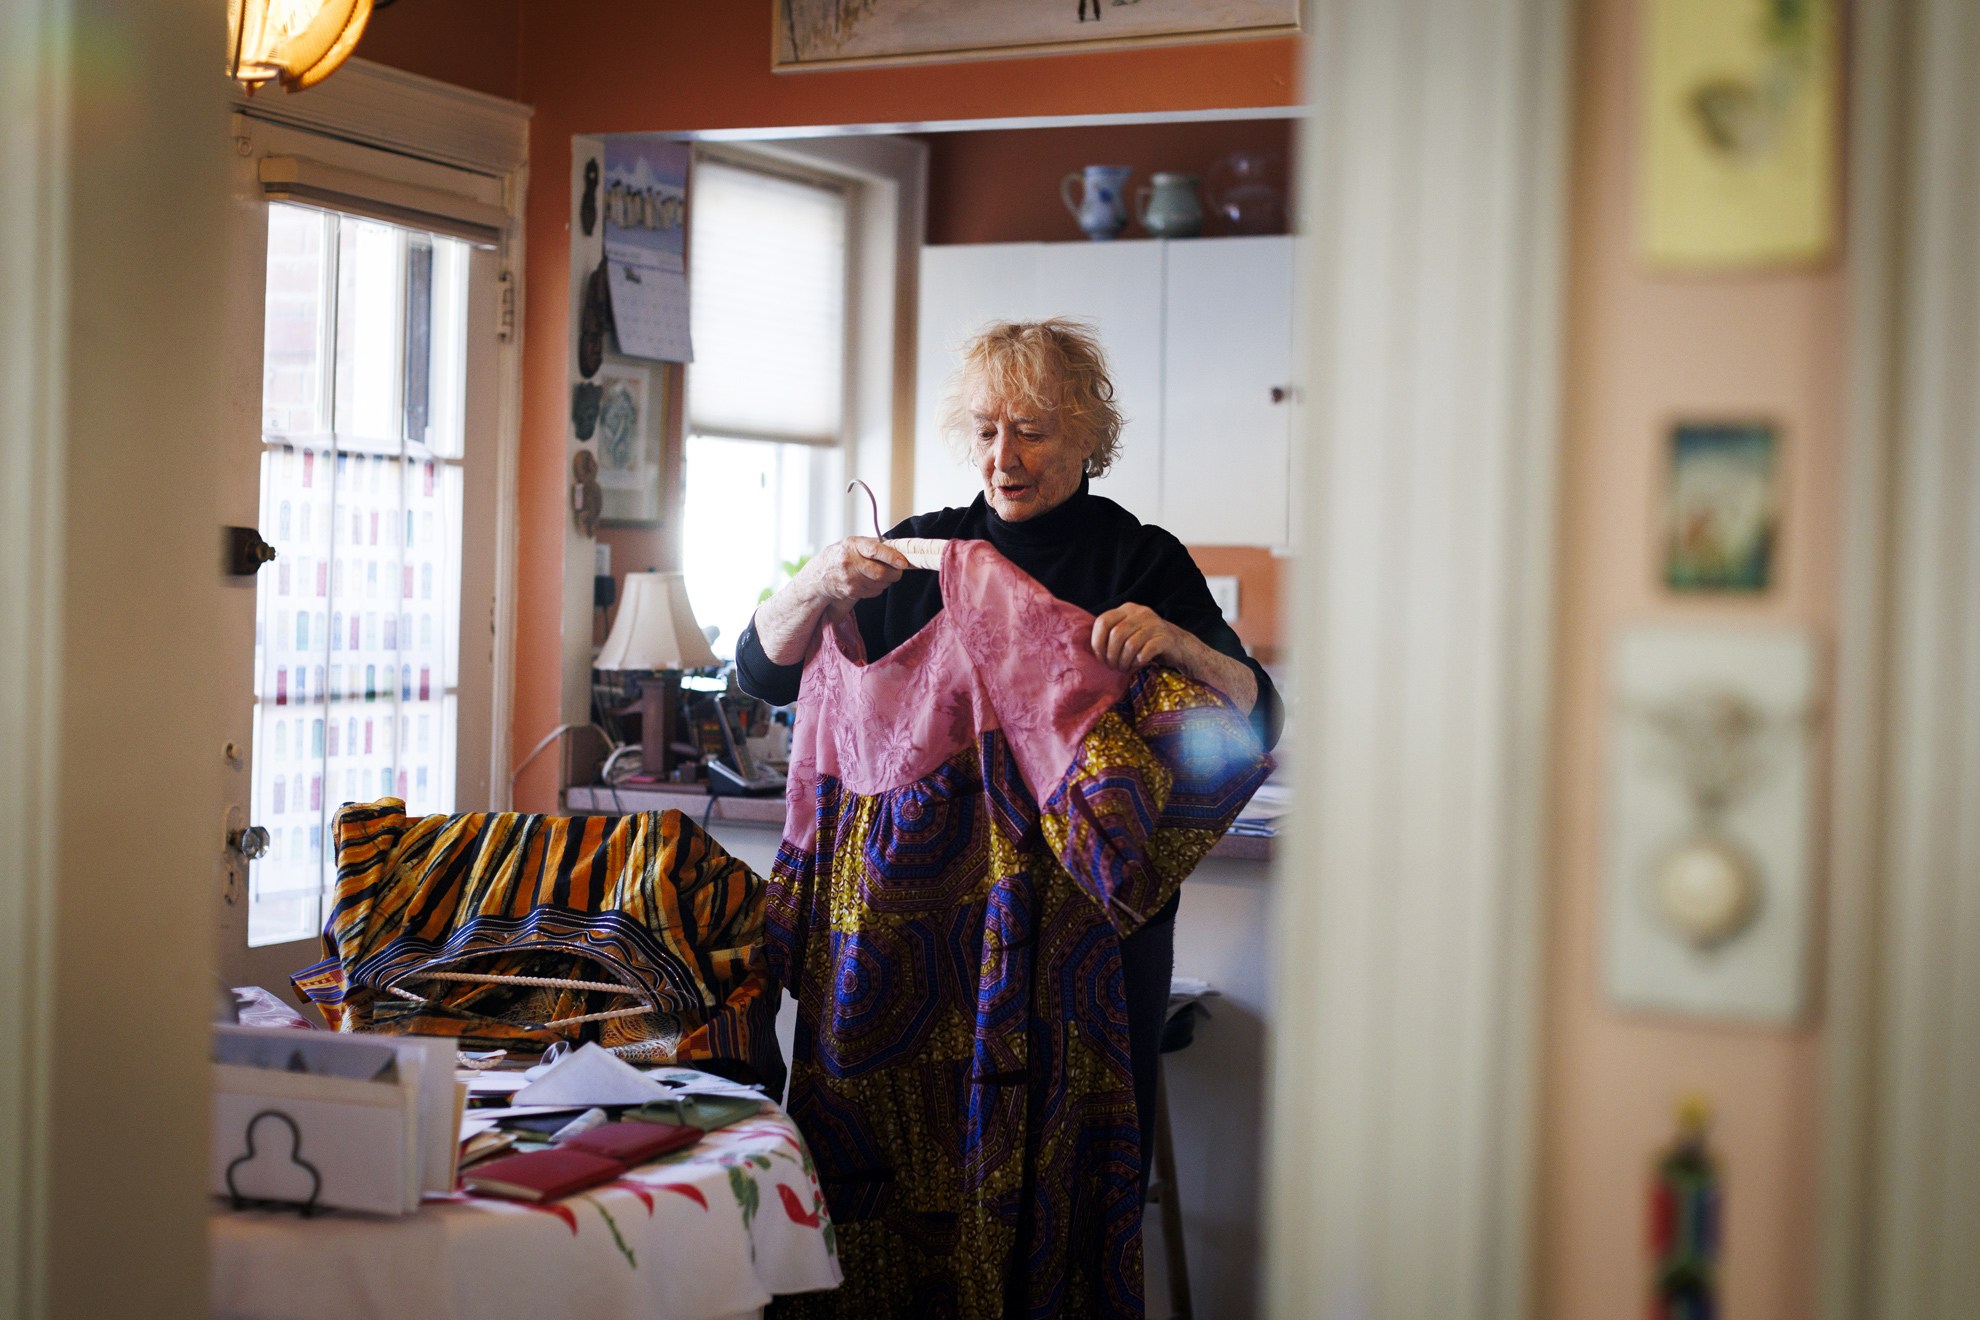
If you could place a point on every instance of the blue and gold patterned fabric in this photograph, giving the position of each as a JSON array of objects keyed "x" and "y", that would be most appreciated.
[{"x": 962, "y": 856}]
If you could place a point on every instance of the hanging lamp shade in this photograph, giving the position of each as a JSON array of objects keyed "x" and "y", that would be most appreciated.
[
  {"x": 296, "y": 42},
  {"x": 655, "y": 627}
]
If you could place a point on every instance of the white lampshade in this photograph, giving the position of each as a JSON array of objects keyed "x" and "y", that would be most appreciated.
[{"x": 655, "y": 628}]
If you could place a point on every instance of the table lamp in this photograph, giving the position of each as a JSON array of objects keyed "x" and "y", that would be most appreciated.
[{"x": 655, "y": 633}]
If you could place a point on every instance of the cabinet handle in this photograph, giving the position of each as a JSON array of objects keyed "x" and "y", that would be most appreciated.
[{"x": 1278, "y": 394}]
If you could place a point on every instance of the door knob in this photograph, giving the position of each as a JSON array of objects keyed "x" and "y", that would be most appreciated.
[{"x": 251, "y": 843}]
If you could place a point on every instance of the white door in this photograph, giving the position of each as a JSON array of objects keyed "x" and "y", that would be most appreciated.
[
  {"x": 1115, "y": 286},
  {"x": 364, "y": 387},
  {"x": 1228, "y": 391}
]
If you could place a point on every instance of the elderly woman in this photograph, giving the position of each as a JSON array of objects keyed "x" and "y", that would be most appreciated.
[{"x": 1033, "y": 409}]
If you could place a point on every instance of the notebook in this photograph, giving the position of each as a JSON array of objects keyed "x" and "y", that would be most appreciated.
[
  {"x": 543, "y": 1175},
  {"x": 632, "y": 1144}
]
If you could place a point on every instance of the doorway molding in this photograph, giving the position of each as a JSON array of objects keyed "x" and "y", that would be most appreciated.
[
  {"x": 1902, "y": 1146},
  {"x": 1433, "y": 179}
]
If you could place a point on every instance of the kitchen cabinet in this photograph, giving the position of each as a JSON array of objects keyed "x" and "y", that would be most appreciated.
[{"x": 1199, "y": 336}]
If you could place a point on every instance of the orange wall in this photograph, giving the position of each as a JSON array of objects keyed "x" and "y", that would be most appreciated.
[
  {"x": 1002, "y": 185},
  {"x": 470, "y": 43},
  {"x": 619, "y": 66},
  {"x": 1642, "y": 350}
]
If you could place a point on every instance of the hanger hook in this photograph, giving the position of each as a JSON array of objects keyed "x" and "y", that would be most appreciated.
[{"x": 872, "y": 503}]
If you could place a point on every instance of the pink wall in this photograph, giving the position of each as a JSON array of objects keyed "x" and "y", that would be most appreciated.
[{"x": 1643, "y": 350}]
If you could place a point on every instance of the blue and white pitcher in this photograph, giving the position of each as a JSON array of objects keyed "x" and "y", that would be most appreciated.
[{"x": 1103, "y": 211}]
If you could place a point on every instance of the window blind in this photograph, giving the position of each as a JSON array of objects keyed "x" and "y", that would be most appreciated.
[{"x": 767, "y": 281}]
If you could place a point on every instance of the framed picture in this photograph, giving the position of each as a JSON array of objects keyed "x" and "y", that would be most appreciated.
[
  {"x": 1740, "y": 157},
  {"x": 838, "y": 34},
  {"x": 1723, "y": 507},
  {"x": 627, "y": 434}
]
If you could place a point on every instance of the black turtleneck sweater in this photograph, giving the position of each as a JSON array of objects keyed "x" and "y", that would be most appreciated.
[{"x": 1089, "y": 551}]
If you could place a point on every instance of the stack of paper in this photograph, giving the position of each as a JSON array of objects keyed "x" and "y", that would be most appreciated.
[{"x": 355, "y": 1122}]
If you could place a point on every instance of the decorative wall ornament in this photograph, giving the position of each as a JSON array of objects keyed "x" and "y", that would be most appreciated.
[
  {"x": 628, "y": 438},
  {"x": 812, "y": 34},
  {"x": 1708, "y": 862},
  {"x": 587, "y": 498}
]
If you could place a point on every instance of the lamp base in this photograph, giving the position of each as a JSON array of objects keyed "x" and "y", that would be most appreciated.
[{"x": 660, "y": 700}]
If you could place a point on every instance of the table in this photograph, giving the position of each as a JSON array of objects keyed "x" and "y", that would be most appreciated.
[{"x": 706, "y": 1234}]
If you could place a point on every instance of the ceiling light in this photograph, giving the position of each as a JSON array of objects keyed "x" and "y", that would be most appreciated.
[{"x": 296, "y": 42}]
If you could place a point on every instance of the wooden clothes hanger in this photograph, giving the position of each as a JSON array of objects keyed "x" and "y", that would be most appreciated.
[{"x": 921, "y": 551}]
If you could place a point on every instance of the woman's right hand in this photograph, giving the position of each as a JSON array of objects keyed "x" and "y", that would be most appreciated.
[{"x": 849, "y": 571}]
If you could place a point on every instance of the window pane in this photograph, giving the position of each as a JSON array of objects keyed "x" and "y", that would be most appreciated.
[
  {"x": 357, "y": 627},
  {"x": 767, "y": 274},
  {"x": 752, "y": 510}
]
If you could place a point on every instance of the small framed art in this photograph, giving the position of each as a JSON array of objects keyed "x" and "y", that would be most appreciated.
[
  {"x": 628, "y": 436},
  {"x": 1722, "y": 509}
]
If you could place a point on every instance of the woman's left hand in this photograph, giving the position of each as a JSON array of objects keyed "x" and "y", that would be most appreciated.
[{"x": 1130, "y": 636}]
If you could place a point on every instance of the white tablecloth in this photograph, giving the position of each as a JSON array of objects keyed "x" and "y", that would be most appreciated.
[{"x": 706, "y": 1234}]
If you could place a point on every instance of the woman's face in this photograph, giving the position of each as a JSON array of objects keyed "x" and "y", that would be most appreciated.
[{"x": 1029, "y": 461}]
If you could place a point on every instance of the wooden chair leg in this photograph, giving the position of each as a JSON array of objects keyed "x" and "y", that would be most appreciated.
[{"x": 1171, "y": 1201}]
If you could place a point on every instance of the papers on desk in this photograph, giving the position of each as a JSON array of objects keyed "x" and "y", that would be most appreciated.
[
  {"x": 1261, "y": 815},
  {"x": 359, "y": 1123}
]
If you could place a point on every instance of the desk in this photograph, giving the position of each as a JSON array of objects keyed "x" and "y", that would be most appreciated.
[{"x": 707, "y": 1234}]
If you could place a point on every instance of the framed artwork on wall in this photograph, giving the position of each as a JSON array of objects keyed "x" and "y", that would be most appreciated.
[
  {"x": 627, "y": 434},
  {"x": 1722, "y": 508},
  {"x": 1738, "y": 155},
  {"x": 837, "y": 34}
]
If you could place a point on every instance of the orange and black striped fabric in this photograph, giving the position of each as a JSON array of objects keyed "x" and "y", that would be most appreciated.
[{"x": 649, "y": 901}]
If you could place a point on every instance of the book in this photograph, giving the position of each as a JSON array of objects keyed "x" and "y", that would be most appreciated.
[
  {"x": 543, "y": 1175},
  {"x": 633, "y": 1144}
]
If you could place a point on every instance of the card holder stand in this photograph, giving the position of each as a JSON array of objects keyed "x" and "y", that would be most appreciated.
[{"x": 250, "y": 1154}]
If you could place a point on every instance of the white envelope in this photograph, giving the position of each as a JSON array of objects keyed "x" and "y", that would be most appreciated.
[{"x": 591, "y": 1075}]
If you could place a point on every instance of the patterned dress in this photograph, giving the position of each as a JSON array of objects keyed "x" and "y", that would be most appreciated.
[{"x": 973, "y": 823}]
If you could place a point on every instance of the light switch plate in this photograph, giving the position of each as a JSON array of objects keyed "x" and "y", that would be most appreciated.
[{"x": 1224, "y": 590}]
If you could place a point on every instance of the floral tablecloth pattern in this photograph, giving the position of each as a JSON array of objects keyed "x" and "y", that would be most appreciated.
[{"x": 706, "y": 1234}]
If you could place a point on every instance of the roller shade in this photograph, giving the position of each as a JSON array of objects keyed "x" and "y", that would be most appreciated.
[
  {"x": 767, "y": 277},
  {"x": 310, "y": 183}
]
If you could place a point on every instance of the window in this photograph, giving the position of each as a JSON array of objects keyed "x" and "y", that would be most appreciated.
[
  {"x": 363, "y": 360},
  {"x": 766, "y": 394}
]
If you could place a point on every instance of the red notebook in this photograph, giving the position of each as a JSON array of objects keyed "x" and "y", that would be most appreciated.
[
  {"x": 633, "y": 1144},
  {"x": 575, "y": 1163},
  {"x": 542, "y": 1175}
]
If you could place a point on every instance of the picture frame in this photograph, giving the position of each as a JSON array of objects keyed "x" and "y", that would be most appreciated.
[
  {"x": 1721, "y": 520},
  {"x": 833, "y": 34},
  {"x": 628, "y": 441}
]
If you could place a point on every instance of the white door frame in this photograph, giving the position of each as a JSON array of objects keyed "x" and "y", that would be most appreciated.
[
  {"x": 1404, "y": 1070},
  {"x": 1901, "y": 1223}
]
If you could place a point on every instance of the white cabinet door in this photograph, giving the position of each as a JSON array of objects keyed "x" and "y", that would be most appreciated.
[
  {"x": 1227, "y": 389},
  {"x": 1115, "y": 286},
  {"x": 1118, "y": 288},
  {"x": 961, "y": 288}
]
